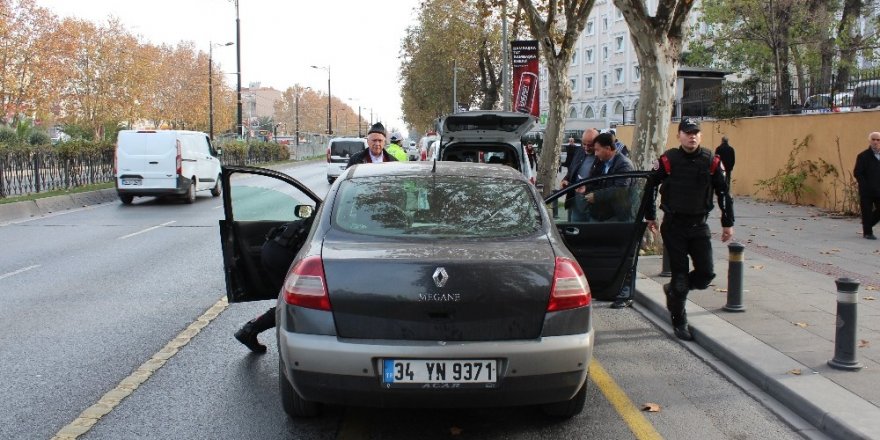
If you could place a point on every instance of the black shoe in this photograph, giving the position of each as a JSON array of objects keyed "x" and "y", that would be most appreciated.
[
  {"x": 870, "y": 236},
  {"x": 683, "y": 332},
  {"x": 622, "y": 304},
  {"x": 247, "y": 336}
]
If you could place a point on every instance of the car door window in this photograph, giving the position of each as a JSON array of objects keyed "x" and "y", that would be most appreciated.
[{"x": 603, "y": 227}]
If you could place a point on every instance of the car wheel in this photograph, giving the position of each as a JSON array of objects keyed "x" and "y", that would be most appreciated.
[
  {"x": 126, "y": 199},
  {"x": 568, "y": 408},
  {"x": 294, "y": 405},
  {"x": 190, "y": 196},
  {"x": 217, "y": 189}
]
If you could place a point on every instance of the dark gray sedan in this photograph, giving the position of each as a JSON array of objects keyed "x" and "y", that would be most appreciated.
[{"x": 435, "y": 284}]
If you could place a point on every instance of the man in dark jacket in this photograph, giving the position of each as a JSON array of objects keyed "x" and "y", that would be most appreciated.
[
  {"x": 375, "y": 153},
  {"x": 867, "y": 173},
  {"x": 728, "y": 157},
  {"x": 570, "y": 150},
  {"x": 580, "y": 167}
]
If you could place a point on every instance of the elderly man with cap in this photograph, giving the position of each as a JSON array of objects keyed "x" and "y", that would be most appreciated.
[
  {"x": 375, "y": 153},
  {"x": 687, "y": 177}
]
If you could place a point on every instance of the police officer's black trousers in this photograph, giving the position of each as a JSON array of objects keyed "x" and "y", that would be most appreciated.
[{"x": 683, "y": 239}]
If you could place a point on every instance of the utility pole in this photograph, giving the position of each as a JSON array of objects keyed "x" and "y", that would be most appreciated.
[
  {"x": 238, "y": 65},
  {"x": 505, "y": 60}
]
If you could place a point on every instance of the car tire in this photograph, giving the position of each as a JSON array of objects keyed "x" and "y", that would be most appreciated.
[
  {"x": 217, "y": 189},
  {"x": 294, "y": 405},
  {"x": 568, "y": 408},
  {"x": 190, "y": 196},
  {"x": 126, "y": 199}
]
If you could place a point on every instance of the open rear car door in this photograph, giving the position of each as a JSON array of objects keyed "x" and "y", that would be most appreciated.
[
  {"x": 605, "y": 235},
  {"x": 255, "y": 200}
]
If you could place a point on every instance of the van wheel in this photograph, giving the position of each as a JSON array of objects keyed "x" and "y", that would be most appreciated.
[
  {"x": 190, "y": 196},
  {"x": 294, "y": 405},
  {"x": 217, "y": 189},
  {"x": 568, "y": 408},
  {"x": 126, "y": 199}
]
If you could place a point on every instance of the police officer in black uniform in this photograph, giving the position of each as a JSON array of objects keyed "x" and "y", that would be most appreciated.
[{"x": 687, "y": 177}]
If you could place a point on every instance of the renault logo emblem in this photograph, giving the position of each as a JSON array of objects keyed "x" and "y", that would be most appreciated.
[{"x": 440, "y": 277}]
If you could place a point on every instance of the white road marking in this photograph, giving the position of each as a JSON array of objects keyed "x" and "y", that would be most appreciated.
[
  {"x": 147, "y": 230},
  {"x": 217, "y": 207},
  {"x": 7, "y": 275}
]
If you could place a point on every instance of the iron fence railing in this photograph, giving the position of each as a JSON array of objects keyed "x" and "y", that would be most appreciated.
[
  {"x": 28, "y": 171},
  {"x": 763, "y": 98}
]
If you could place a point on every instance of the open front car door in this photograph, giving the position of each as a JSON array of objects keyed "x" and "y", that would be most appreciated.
[
  {"x": 256, "y": 200},
  {"x": 603, "y": 227}
]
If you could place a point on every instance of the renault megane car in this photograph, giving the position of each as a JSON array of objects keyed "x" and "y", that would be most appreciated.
[{"x": 430, "y": 284}]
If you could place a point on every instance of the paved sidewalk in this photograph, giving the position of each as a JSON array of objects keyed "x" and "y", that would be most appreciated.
[{"x": 783, "y": 340}]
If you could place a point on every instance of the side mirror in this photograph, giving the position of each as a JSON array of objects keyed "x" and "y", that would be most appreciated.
[
  {"x": 219, "y": 152},
  {"x": 304, "y": 211}
]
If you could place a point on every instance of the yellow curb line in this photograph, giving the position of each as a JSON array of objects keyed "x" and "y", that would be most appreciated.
[
  {"x": 638, "y": 424},
  {"x": 90, "y": 416}
]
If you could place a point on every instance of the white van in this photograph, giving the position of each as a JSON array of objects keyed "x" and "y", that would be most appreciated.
[
  {"x": 165, "y": 163},
  {"x": 339, "y": 150}
]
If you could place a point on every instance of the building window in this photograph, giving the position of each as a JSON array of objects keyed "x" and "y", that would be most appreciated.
[
  {"x": 588, "y": 54},
  {"x": 604, "y": 22},
  {"x": 574, "y": 84},
  {"x": 618, "y": 75},
  {"x": 590, "y": 29},
  {"x": 618, "y": 15},
  {"x": 604, "y": 52},
  {"x": 588, "y": 113},
  {"x": 572, "y": 113},
  {"x": 574, "y": 58},
  {"x": 618, "y": 44},
  {"x": 604, "y": 80},
  {"x": 588, "y": 82},
  {"x": 604, "y": 111},
  {"x": 637, "y": 73}
]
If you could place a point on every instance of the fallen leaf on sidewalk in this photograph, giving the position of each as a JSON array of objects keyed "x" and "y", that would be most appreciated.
[
  {"x": 870, "y": 287},
  {"x": 795, "y": 371},
  {"x": 651, "y": 407},
  {"x": 863, "y": 343},
  {"x": 868, "y": 298},
  {"x": 455, "y": 430},
  {"x": 758, "y": 266},
  {"x": 801, "y": 324},
  {"x": 720, "y": 289}
]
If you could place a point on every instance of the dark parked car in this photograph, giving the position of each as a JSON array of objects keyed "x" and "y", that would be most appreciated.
[
  {"x": 866, "y": 94},
  {"x": 431, "y": 284}
]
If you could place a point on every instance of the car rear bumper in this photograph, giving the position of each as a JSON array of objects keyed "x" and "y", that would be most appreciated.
[
  {"x": 153, "y": 188},
  {"x": 348, "y": 372}
]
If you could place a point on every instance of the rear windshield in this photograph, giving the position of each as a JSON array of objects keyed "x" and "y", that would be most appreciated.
[
  {"x": 442, "y": 207},
  {"x": 345, "y": 148}
]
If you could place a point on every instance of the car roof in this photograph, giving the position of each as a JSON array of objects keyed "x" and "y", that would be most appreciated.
[{"x": 442, "y": 168}]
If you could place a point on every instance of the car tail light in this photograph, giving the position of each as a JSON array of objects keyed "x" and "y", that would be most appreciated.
[
  {"x": 305, "y": 285},
  {"x": 179, "y": 160},
  {"x": 570, "y": 288}
]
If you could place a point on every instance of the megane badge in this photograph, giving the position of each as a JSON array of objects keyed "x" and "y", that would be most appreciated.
[{"x": 440, "y": 277}]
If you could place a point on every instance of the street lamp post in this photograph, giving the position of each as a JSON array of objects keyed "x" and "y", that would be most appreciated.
[
  {"x": 211, "y": 86},
  {"x": 238, "y": 65},
  {"x": 359, "y": 114},
  {"x": 329, "y": 96}
]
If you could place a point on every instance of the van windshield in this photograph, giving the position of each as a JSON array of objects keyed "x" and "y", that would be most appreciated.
[{"x": 345, "y": 148}]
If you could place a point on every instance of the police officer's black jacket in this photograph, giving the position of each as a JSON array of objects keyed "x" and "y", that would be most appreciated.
[{"x": 686, "y": 189}]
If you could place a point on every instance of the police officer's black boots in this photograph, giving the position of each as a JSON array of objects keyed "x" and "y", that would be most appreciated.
[
  {"x": 677, "y": 312},
  {"x": 247, "y": 334}
]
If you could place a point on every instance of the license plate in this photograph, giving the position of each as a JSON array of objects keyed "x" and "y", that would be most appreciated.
[
  {"x": 427, "y": 371},
  {"x": 131, "y": 182}
]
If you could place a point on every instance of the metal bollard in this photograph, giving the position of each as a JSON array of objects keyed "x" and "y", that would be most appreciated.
[
  {"x": 735, "y": 278},
  {"x": 666, "y": 271},
  {"x": 845, "y": 337}
]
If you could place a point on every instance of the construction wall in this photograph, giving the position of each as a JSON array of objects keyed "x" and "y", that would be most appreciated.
[{"x": 763, "y": 145}]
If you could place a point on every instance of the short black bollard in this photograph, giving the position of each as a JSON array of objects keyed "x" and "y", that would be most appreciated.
[
  {"x": 735, "y": 278},
  {"x": 845, "y": 337},
  {"x": 666, "y": 271}
]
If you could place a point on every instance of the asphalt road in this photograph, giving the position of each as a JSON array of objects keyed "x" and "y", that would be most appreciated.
[{"x": 90, "y": 296}]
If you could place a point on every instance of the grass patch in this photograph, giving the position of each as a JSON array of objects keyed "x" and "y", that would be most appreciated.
[{"x": 60, "y": 192}]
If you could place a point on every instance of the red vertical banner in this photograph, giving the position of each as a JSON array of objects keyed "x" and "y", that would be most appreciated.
[{"x": 526, "y": 98}]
